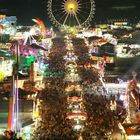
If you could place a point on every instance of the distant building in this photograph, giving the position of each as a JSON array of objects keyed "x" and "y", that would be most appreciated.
[
  {"x": 11, "y": 19},
  {"x": 8, "y": 24}
]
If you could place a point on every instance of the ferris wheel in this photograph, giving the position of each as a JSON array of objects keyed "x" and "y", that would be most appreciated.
[{"x": 71, "y": 13}]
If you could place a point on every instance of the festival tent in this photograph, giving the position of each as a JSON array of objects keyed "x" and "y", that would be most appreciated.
[
  {"x": 107, "y": 49},
  {"x": 134, "y": 39},
  {"x": 93, "y": 38}
]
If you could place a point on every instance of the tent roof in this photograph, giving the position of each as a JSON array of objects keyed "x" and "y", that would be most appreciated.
[{"x": 36, "y": 46}]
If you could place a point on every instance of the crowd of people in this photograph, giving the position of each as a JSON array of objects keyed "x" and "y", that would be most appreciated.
[
  {"x": 52, "y": 123},
  {"x": 100, "y": 118},
  {"x": 10, "y": 135}
]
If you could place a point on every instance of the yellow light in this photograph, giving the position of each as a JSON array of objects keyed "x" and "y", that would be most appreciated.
[
  {"x": 36, "y": 114},
  {"x": 71, "y": 7},
  {"x": 2, "y": 75}
]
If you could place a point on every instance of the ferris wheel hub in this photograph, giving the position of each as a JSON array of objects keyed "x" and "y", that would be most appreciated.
[{"x": 71, "y": 6}]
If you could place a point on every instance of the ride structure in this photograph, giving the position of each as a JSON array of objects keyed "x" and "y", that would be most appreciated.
[
  {"x": 42, "y": 26},
  {"x": 13, "y": 115},
  {"x": 71, "y": 13},
  {"x": 132, "y": 94}
]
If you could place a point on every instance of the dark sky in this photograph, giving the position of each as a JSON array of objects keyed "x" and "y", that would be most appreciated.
[{"x": 25, "y": 10}]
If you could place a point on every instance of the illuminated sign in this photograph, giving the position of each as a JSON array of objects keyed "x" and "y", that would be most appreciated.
[
  {"x": 134, "y": 137},
  {"x": 120, "y": 23}
]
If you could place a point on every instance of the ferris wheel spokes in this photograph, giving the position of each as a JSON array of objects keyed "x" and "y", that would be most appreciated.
[
  {"x": 71, "y": 18},
  {"x": 58, "y": 14},
  {"x": 62, "y": 18},
  {"x": 65, "y": 19},
  {"x": 72, "y": 13},
  {"x": 77, "y": 20},
  {"x": 84, "y": 3}
]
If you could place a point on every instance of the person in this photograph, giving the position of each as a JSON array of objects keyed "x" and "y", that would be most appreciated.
[
  {"x": 102, "y": 64},
  {"x": 120, "y": 80},
  {"x": 113, "y": 106},
  {"x": 10, "y": 135}
]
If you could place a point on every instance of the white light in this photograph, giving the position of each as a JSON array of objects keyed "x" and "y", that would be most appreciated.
[
  {"x": 1, "y": 132},
  {"x": 137, "y": 137},
  {"x": 27, "y": 129},
  {"x": 77, "y": 127},
  {"x": 122, "y": 97},
  {"x": 32, "y": 31}
]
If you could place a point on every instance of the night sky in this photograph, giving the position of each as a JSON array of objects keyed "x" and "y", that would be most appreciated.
[{"x": 25, "y": 10}]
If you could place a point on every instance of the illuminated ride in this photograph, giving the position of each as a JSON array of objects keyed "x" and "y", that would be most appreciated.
[
  {"x": 34, "y": 46},
  {"x": 71, "y": 13},
  {"x": 131, "y": 101},
  {"x": 7, "y": 25},
  {"x": 42, "y": 25},
  {"x": 6, "y": 64}
]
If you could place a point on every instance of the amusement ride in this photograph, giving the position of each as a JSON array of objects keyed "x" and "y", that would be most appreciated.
[
  {"x": 35, "y": 44},
  {"x": 71, "y": 13}
]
